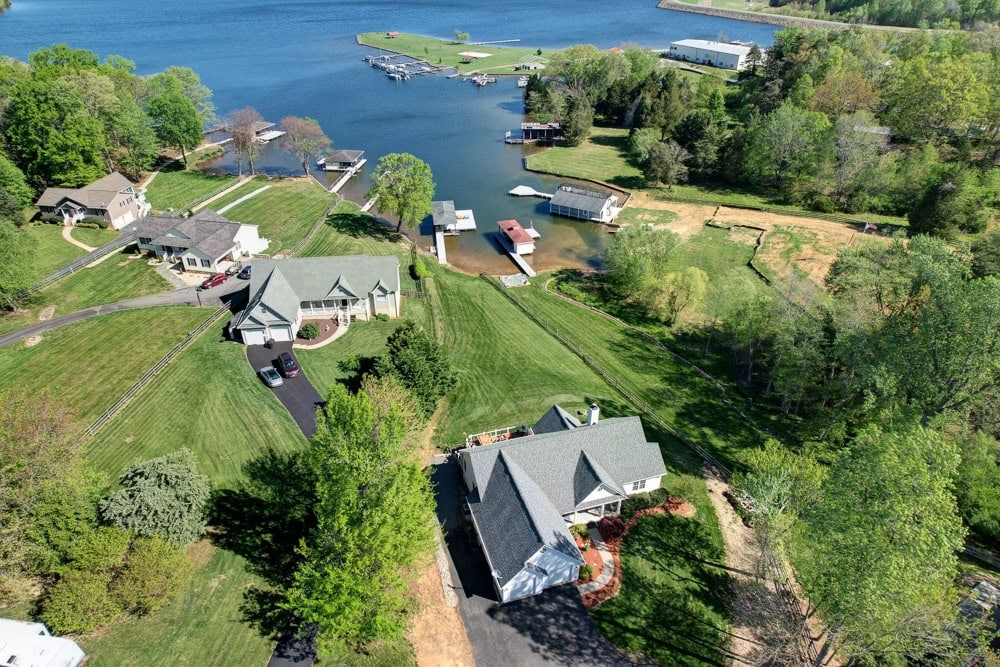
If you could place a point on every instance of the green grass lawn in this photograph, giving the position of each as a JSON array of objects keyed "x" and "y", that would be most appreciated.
[
  {"x": 285, "y": 213},
  {"x": 122, "y": 276},
  {"x": 177, "y": 188},
  {"x": 209, "y": 400},
  {"x": 601, "y": 157},
  {"x": 241, "y": 191},
  {"x": 645, "y": 216},
  {"x": 88, "y": 365},
  {"x": 444, "y": 53},
  {"x": 95, "y": 238},
  {"x": 52, "y": 251},
  {"x": 363, "y": 338}
]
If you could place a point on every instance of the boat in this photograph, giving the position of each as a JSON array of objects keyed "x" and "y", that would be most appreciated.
[
  {"x": 522, "y": 82},
  {"x": 396, "y": 76}
]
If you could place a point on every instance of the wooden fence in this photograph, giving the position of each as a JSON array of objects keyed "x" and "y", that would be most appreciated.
[{"x": 76, "y": 265}]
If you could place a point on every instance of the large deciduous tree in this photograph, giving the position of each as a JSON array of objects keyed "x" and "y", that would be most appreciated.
[
  {"x": 304, "y": 140},
  {"x": 419, "y": 363},
  {"x": 666, "y": 164},
  {"x": 403, "y": 186},
  {"x": 175, "y": 121},
  {"x": 13, "y": 182},
  {"x": 185, "y": 81},
  {"x": 243, "y": 125},
  {"x": 789, "y": 144},
  {"x": 374, "y": 519}
]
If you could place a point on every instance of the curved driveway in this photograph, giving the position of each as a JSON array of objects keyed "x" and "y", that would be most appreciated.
[{"x": 297, "y": 394}]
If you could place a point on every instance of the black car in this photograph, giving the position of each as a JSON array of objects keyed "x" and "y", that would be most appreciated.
[
  {"x": 287, "y": 365},
  {"x": 244, "y": 273}
]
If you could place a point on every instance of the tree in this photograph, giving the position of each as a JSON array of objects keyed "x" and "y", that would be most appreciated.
[
  {"x": 165, "y": 496},
  {"x": 374, "y": 519},
  {"x": 789, "y": 142},
  {"x": 857, "y": 148},
  {"x": 243, "y": 124},
  {"x": 12, "y": 180},
  {"x": 986, "y": 255},
  {"x": 929, "y": 98},
  {"x": 461, "y": 36},
  {"x": 79, "y": 602},
  {"x": 842, "y": 93},
  {"x": 154, "y": 573},
  {"x": 402, "y": 185},
  {"x": 304, "y": 140},
  {"x": 665, "y": 164},
  {"x": 419, "y": 363},
  {"x": 680, "y": 290},
  {"x": 977, "y": 485},
  {"x": 578, "y": 120},
  {"x": 185, "y": 81},
  {"x": 746, "y": 324},
  {"x": 950, "y": 204},
  {"x": 18, "y": 252},
  {"x": 175, "y": 121},
  {"x": 881, "y": 543},
  {"x": 637, "y": 258}
]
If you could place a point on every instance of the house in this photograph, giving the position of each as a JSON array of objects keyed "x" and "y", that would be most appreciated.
[
  {"x": 516, "y": 237},
  {"x": 343, "y": 160},
  {"x": 113, "y": 198},
  {"x": 283, "y": 292},
  {"x": 528, "y": 485},
  {"x": 714, "y": 54},
  {"x": 206, "y": 242},
  {"x": 24, "y": 644},
  {"x": 450, "y": 221},
  {"x": 585, "y": 204}
]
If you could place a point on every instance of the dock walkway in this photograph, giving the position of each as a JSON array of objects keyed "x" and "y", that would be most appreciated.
[
  {"x": 528, "y": 191},
  {"x": 521, "y": 264},
  {"x": 439, "y": 247}
]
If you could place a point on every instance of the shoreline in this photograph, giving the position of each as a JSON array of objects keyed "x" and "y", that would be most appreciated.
[{"x": 780, "y": 20}]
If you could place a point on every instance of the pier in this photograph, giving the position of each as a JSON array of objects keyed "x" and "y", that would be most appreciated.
[
  {"x": 517, "y": 259},
  {"x": 528, "y": 191},
  {"x": 439, "y": 247}
]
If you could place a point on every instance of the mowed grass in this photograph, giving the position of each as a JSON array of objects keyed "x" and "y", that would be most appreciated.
[
  {"x": 86, "y": 366},
  {"x": 119, "y": 277},
  {"x": 366, "y": 339},
  {"x": 95, "y": 238},
  {"x": 243, "y": 190},
  {"x": 178, "y": 188},
  {"x": 602, "y": 157},
  {"x": 208, "y": 400},
  {"x": 52, "y": 251},
  {"x": 644, "y": 216},
  {"x": 202, "y": 626},
  {"x": 285, "y": 213},
  {"x": 445, "y": 53}
]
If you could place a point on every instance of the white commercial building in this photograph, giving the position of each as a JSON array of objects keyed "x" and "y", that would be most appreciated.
[
  {"x": 24, "y": 644},
  {"x": 714, "y": 54}
]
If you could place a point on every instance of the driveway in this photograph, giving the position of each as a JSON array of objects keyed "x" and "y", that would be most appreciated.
[
  {"x": 297, "y": 394},
  {"x": 549, "y": 629}
]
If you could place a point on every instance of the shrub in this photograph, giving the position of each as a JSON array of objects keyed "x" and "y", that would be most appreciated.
[
  {"x": 51, "y": 219},
  {"x": 309, "y": 331},
  {"x": 578, "y": 530},
  {"x": 641, "y": 501},
  {"x": 154, "y": 573},
  {"x": 382, "y": 317},
  {"x": 612, "y": 528},
  {"x": 79, "y": 602},
  {"x": 94, "y": 223},
  {"x": 420, "y": 269},
  {"x": 586, "y": 572},
  {"x": 102, "y": 551}
]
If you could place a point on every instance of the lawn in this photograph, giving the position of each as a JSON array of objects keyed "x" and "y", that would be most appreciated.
[
  {"x": 178, "y": 188},
  {"x": 243, "y": 190},
  {"x": 95, "y": 238},
  {"x": 86, "y": 366},
  {"x": 208, "y": 400},
  {"x": 362, "y": 338},
  {"x": 602, "y": 157},
  {"x": 119, "y": 277},
  {"x": 52, "y": 251},
  {"x": 445, "y": 53},
  {"x": 285, "y": 213},
  {"x": 645, "y": 216}
]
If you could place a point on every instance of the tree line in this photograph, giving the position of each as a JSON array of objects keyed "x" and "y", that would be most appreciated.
[
  {"x": 976, "y": 15},
  {"x": 853, "y": 121}
]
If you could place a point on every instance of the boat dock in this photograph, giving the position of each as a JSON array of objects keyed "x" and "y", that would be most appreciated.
[
  {"x": 451, "y": 221},
  {"x": 517, "y": 259},
  {"x": 528, "y": 191},
  {"x": 269, "y": 135},
  {"x": 439, "y": 247}
]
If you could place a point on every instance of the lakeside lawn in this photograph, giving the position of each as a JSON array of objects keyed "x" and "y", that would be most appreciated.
[
  {"x": 602, "y": 157},
  {"x": 242, "y": 190},
  {"x": 178, "y": 188},
  {"x": 284, "y": 213},
  {"x": 119, "y": 277},
  {"x": 52, "y": 251},
  {"x": 95, "y": 238},
  {"x": 86, "y": 366},
  {"x": 445, "y": 53}
]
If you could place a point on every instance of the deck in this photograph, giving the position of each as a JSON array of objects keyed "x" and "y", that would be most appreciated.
[
  {"x": 528, "y": 191},
  {"x": 517, "y": 259},
  {"x": 439, "y": 247}
]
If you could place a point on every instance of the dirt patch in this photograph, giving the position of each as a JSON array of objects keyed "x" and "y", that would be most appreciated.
[
  {"x": 200, "y": 552},
  {"x": 47, "y": 313},
  {"x": 32, "y": 341},
  {"x": 437, "y": 633},
  {"x": 690, "y": 217}
]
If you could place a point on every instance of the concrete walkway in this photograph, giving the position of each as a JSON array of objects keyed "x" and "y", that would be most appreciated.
[
  {"x": 243, "y": 199},
  {"x": 68, "y": 235},
  {"x": 607, "y": 564}
]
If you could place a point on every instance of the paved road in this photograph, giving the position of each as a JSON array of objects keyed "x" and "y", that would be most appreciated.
[
  {"x": 549, "y": 629},
  {"x": 228, "y": 292},
  {"x": 297, "y": 394}
]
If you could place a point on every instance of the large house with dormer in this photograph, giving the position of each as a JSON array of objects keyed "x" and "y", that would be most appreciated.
[
  {"x": 112, "y": 198},
  {"x": 204, "y": 243},
  {"x": 284, "y": 292},
  {"x": 526, "y": 486}
]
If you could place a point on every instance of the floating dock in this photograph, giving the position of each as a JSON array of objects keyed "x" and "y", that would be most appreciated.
[
  {"x": 269, "y": 135},
  {"x": 521, "y": 264},
  {"x": 528, "y": 191}
]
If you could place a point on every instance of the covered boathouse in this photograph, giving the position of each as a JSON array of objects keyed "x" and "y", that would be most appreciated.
[{"x": 584, "y": 204}]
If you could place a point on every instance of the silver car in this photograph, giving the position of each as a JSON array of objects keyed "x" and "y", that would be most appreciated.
[{"x": 270, "y": 376}]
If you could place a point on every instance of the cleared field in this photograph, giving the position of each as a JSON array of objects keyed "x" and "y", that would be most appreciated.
[
  {"x": 51, "y": 250},
  {"x": 602, "y": 157},
  {"x": 178, "y": 188},
  {"x": 94, "y": 237},
  {"x": 88, "y": 365},
  {"x": 208, "y": 400},
  {"x": 122, "y": 276},
  {"x": 285, "y": 213},
  {"x": 444, "y": 53}
]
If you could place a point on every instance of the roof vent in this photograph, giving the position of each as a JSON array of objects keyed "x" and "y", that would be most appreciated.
[{"x": 593, "y": 414}]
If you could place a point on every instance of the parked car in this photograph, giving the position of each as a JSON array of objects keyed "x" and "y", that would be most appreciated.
[
  {"x": 214, "y": 280},
  {"x": 270, "y": 376},
  {"x": 244, "y": 273},
  {"x": 289, "y": 367},
  {"x": 232, "y": 270}
]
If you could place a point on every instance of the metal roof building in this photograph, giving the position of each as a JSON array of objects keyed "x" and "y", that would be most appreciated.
[{"x": 714, "y": 54}]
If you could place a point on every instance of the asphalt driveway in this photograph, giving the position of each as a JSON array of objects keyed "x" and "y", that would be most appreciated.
[
  {"x": 549, "y": 629},
  {"x": 297, "y": 394}
]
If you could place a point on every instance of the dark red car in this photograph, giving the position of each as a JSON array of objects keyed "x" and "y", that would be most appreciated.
[
  {"x": 287, "y": 365},
  {"x": 214, "y": 280}
]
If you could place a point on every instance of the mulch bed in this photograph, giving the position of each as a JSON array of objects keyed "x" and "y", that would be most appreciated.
[
  {"x": 613, "y": 525},
  {"x": 591, "y": 557}
]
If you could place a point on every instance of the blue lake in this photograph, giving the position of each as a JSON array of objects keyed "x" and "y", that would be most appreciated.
[{"x": 300, "y": 57}]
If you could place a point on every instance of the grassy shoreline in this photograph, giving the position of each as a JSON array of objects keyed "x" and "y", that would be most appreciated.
[{"x": 445, "y": 53}]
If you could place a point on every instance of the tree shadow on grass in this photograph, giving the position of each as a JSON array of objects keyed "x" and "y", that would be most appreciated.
[
  {"x": 263, "y": 521},
  {"x": 629, "y": 182},
  {"x": 362, "y": 225}
]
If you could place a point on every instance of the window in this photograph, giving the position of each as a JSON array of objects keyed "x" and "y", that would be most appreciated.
[
  {"x": 206, "y": 263},
  {"x": 638, "y": 486},
  {"x": 380, "y": 298},
  {"x": 191, "y": 261}
]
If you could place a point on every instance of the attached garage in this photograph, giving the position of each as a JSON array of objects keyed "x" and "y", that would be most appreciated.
[
  {"x": 253, "y": 336},
  {"x": 280, "y": 333}
]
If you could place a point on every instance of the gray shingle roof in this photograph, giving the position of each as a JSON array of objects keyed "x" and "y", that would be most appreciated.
[
  {"x": 98, "y": 194},
  {"x": 579, "y": 198},
  {"x": 556, "y": 419},
  {"x": 206, "y": 231},
  {"x": 345, "y": 156},
  {"x": 444, "y": 213},
  {"x": 516, "y": 520}
]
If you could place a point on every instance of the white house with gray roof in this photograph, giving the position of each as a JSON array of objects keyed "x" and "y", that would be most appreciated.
[
  {"x": 284, "y": 292},
  {"x": 113, "y": 198},
  {"x": 206, "y": 242},
  {"x": 524, "y": 493}
]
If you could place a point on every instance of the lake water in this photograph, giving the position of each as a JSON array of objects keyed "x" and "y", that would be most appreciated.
[{"x": 300, "y": 57}]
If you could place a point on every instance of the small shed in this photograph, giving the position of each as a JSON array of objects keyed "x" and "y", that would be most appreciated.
[
  {"x": 584, "y": 204},
  {"x": 516, "y": 237}
]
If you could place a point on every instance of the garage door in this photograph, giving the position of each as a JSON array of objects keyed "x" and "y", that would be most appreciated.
[
  {"x": 253, "y": 337},
  {"x": 281, "y": 333}
]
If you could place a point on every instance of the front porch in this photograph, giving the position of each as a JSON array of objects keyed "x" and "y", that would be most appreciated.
[
  {"x": 608, "y": 507},
  {"x": 342, "y": 311}
]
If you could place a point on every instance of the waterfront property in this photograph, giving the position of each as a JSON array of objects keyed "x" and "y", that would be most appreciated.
[
  {"x": 206, "y": 242},
  {"x": 343, "y": 160},
  {"x": 450, "y": 221},
  {"x": 715, "y": 54},
  {"x": 516, "y": 238},
  {"x": 284, "y": 292},
  {"x": 583, "y": 203},
  {"x": 535, "y": 133},
  {"x": 25, "y": 644},
  {"x": 112, "y": 198},
  {"x": 527, "y": 485}
]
